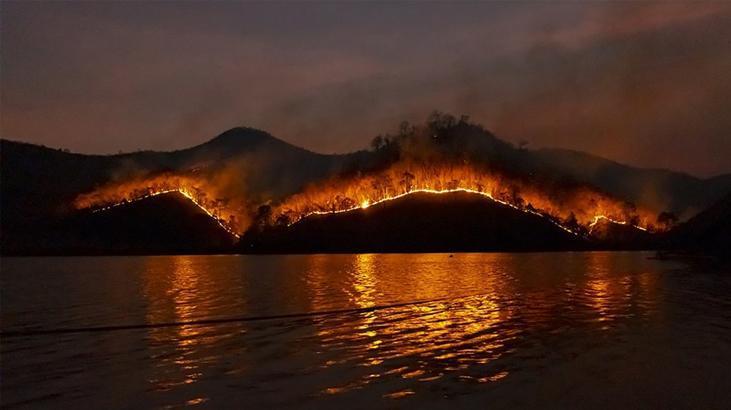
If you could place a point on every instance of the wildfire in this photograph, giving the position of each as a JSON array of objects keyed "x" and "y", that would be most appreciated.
[
  {"x": 196, "y": 189},
  {"x": 575, "y": 210},
  {"x": 444, "y": 155},
  {"x": 599, "y": 218},
  {"x": 366, "y": 204}
]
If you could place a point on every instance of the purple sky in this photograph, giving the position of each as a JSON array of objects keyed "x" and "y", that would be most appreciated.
[{"x": 646, "y": 84}]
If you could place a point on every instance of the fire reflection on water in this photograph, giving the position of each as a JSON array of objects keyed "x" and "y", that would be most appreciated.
[
  {"x": 364, "y": 286},
  {"x": 173, "y": 288},
  {"x": 425, "y": 341},
  {"x": 474, "y": 310},
  {"x": 612, "y": 292},
  {"x": 364, "y": 283},
  {"x": 429, "y": 318}
]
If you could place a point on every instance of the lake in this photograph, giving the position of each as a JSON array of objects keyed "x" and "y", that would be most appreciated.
[{"x": 497, "y": 330}]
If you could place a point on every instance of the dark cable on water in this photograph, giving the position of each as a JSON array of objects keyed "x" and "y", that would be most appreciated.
[{"x": 204, "y": 322}]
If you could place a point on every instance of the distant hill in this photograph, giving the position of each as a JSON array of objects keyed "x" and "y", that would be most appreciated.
[
  {"x": 680, "y": 193},
  {"x": 419, "y": 222},
  {"x": 709, "y": 231}
]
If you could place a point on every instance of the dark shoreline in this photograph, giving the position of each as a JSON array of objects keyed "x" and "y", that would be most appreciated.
[
  {"x": 316, "y": 252},
  {"x": 689, "y": 256}
]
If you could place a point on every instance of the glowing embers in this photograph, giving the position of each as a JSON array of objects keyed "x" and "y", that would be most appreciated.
[{"x": 599, "y": 218}]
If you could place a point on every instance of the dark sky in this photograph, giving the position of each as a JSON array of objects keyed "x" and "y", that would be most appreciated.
[{"x": 647, "y": 84}]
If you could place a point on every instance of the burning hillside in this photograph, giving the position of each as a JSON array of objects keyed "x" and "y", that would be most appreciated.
[
  {"x": 445, "y": 155},
  {"x": 575, "y": 209},
  {"x": 418, "y": 222},
  {"x": 230, "y": 215}
]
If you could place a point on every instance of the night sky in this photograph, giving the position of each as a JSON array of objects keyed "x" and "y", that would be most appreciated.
[{"x": 647, "y": 84}]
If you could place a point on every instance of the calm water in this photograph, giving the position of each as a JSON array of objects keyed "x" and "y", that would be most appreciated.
[{"x": 489, "y": 330}]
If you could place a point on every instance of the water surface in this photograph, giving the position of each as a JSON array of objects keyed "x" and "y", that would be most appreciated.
[{"x": 326, "y": 331}]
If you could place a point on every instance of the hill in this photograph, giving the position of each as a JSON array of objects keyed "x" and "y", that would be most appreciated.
[
  {"x": 420, "y": 222},
  {"x": 680, "y": 193},
  {"x": 708, "y": 232},
  {"x": 164, "y": 224},
  {"x": 612, "y": 235}
]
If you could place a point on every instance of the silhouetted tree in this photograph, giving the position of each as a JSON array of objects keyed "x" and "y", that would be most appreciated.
[
  {"x": 407, "y": 181},
  {"x": 570, "y": 222},
  {"x": 515, "y": 197},
  {"x": 439, "y": 124},
  {"x": 262, "y": 216},
  {"x": 283, "y": 220},
  {"x": 405, "y": 129},
  {"x": 377, "y": 143},
  {"x": 387, "y": 183},
  {"x": 348, "y": 203}
]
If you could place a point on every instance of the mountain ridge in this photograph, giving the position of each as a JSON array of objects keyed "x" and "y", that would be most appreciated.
[
  {"x": 231, "y": 135},
  {"x": 39, "y": 184}
]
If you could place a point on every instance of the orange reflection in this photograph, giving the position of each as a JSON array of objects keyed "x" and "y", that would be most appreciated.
[
  {"x": 429, "y": 318},
  {"x": 613, "y": 291},
  {"x": 173, "y": 288},
  {"x": 363, "y": 280},
  {"x": 438, "y": 336}
]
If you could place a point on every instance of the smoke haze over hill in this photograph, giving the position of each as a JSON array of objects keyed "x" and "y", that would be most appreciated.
[{"x": 641, "y": 83}]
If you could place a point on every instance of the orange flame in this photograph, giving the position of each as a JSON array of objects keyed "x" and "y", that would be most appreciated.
[
  {"x": 573, "y": 209},
  {"x": 576, "y": 210},
  {"x": 230, "y": 216}
]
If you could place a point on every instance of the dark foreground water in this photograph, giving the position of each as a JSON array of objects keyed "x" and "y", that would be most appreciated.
[{"x": 589, "y": 330}]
